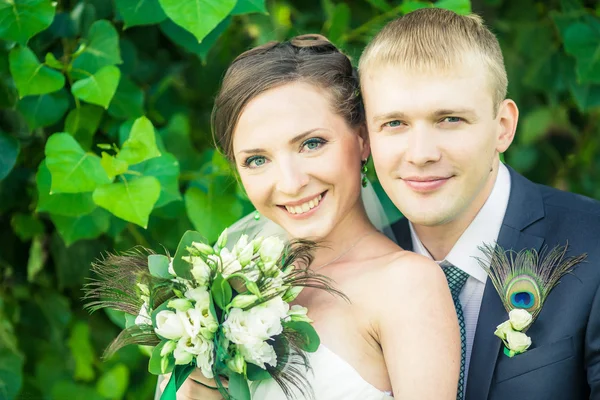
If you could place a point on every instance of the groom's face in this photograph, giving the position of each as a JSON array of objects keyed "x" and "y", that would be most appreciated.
[{"x": 434, "y": 139}]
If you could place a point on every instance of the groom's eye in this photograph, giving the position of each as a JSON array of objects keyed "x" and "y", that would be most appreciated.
[
  {"x": 452, "y": 120},
  {"x": 393, "y": 124}
]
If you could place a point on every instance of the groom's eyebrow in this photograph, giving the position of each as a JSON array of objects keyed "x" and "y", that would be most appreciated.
[
  {"x": 448, "y": 111},
  {"x": 388, "y": 116}
]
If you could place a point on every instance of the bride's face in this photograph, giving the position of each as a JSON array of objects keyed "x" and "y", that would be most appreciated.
[{"x": 298, "y": 160}]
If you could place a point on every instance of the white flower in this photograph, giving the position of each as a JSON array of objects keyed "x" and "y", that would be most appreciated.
[
  {"x": 237, "y": 363},
  {"x": 260, "y": 353},
  {"x": 299, "y": 313},
  {"x": 243, "y": 300},
  {"x": 168, "y": 348},
  {"x": 503, "y": 329},
  {"x": 518, "y": 342},
  {"x": 200, "y": 295},
  {"x": 236, "y": 327},
  {"x": 205, "y": 362},
  {"x": 241, "y": 243},
  {"x": 222, "y": 241},
  {"x": 190, "y": 347},
  {"x": 270, "y": 249},
  {"x": 143, "y": 317},
  {"x": 245, "y": 254},
  {"x": 180, "y": 304},
  {"x": 256, "y": 242},
  {"x": 191, "y": 321},
  {"x": 170, "y": 269},
  {"x": 182, "y": 356},
  {"x": 231, "y": 264},
  {"x": 169, "y": 325},
  {"x": 519, "y": 319},
  {"x": 200, "y": 271},
  {"x": 291, "y": 294},
  {"x": 203, "y": 248}
]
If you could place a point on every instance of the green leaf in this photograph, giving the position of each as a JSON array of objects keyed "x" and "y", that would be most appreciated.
[
  {"x": 339, "y": 23},
  {"x": 26, "y": 226},
  {"x": 72, "y": 169},
  {"x": 52, "y": 62},
  {"x": 410, "y": 6},
  {"x": 538, "y": 123},
  {"x": 113, "y": 383},
  {"x": 44, "y": 110},
  {"x": 462, "y": 7},
  {"x": 71, "y": 390},
  {"x": 256, "y": 373},
  {"x": 89, "y": 226},
  {"x": 140, "y": 12},
  {"x": 311, "y": 340},
  {"x": 141, "y": 144},
  {"x": 185, "y": 39},
  {"x": 11, "y": 368},
  {"x": 82, "y": 352},
  {"x": 9, "y": 151},
  {"x": 166, "y": 169},
  {"x": 154, "y": 366},
  {"x": 32, "y": 77},
  {"x": 381, "y": 5},
  {"x": 21, "y": 19},
  {"x": 182, "y": 268},
  {"x": 221, "y": 292},
  {"x": 582, "y": 41},
  {"x": 73, "y": 263},
  {"x": 211, "y": 214},
  {"x": 176, "y": 137},
  {"x": 83, "y": 122},
  {"x": 250, "y": 6},
  {"x": 102, "y": 49},
  {"x": 586, "y": 96},
  {"x": 130, "y": 200},
  {"x": 158, "y": 265},
  {"x": 238, "y": 387},
  {"x": 199, "y": 17},
  {"x": 128, "y": 102},
  {"x": 67, "y": 204},
  {"x": 99, "y": 88},
  {"x": 112, "y": 166},
  {"x": 37, "y": 258}
]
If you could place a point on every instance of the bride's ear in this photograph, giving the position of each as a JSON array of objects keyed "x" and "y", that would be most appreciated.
[{"x": 363, "y": 139}]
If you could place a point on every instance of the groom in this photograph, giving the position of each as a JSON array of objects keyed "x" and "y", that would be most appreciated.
[{"x": 434, "y": 86}]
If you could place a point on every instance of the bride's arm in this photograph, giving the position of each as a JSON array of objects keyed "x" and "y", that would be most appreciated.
[{"x": 418, "y": 330}]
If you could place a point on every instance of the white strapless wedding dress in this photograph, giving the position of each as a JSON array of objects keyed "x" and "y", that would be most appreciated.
[{"x": 331, "y": 378}]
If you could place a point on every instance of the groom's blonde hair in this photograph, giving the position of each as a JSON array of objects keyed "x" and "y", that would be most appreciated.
[{"x": 435, "y": 40}]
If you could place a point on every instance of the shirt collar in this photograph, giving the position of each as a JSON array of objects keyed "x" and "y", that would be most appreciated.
[{"x": 483, "y": 229}]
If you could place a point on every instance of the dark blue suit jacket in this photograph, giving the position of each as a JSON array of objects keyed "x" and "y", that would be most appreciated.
[{"x": 563, "y": 362}]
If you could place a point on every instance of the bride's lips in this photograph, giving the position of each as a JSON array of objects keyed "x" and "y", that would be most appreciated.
[
  {"x": 308, "y": 213},
  {"x": 424, "y": 184}
]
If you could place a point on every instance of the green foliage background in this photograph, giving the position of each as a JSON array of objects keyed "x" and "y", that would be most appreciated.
[{"x": 105, "y": 144}]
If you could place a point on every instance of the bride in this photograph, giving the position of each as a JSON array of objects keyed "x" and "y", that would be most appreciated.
[{"x": 290, "y": 118}]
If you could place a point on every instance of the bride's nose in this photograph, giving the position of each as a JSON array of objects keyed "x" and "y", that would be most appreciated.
[{"x": 292, "y": 178}]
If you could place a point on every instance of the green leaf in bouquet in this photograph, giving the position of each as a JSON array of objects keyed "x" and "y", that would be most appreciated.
[
  {"x": 128, "y": 101},
  {"x": 140, "y": 12},
  {"x": 311, "y": 340},
  {"x": 32, "y": 77},
  {"x": 82, "y": 352},
  {"x": 141, "y": 143},
  {"x": 166, "y": 169},
  {"x": 82, "y": 123},
  {"x": 44, "y": 110},
  {"x": 9, "y": 151},
  {"x": 72, "y": 169},
  {"x": 180, "y": 374},
  {"x": 67, "y": 204},
  {"x": 113, "y": 383},
  {"x": 181, "y": 267},
  {"x": 256, "y": 373},
  {"x": 101, "y": 50},
  {"x": 221, "y": 291},
  {"x": 155, "y": 365},
  {"x": 99, "y": 88},
  {"x": 158, "y": 265},
  {"x": 238, "y": 387},
  {"x": 88, "y": 226},
  {"x": 199, "y": 17},
  {"x": 112, "y": 165},
  {"x": 130, "y": 200},
  {"x": 21, "y": 19},
  {"x": 249, "y": 6}
]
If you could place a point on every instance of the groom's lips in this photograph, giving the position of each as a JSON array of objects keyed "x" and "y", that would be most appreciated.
[{"x": 425, "y": 184}]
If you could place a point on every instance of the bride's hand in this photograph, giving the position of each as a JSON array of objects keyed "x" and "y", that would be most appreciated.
[{"x": 193, "y": 388}]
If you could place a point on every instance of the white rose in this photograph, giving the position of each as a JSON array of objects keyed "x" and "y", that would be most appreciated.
[
  {"x": 299, "y": 313},
  {"x": 205, "y": 362},
  {"x": 241, "y": 243},
  {"x": 518, "y": 342},
  {"x": 260, "y": 353},
  {"x": 503, "y": 329},
  {"x": 519, "y": 319},
  {"x": 270, "y": 249},
  {"x": 169, "y": 325},
  {"x": 191, "y": 321},
  {"x": 200, "y": 271},
  {"x": 143, "y": 317}
]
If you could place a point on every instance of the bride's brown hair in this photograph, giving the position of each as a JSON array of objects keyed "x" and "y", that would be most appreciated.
[{"x": 307, "y": 58}]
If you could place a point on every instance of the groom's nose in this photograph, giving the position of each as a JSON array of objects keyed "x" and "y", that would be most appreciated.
[
  {"x": 422, "y": 147},
  {"x": 292, "y": 178}
]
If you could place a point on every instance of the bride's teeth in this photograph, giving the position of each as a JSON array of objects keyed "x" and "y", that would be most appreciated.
[
  {"x": 305, "y": 207},
  {"x": 309, "y": 205},
  {"x": 298, "y": 209}
]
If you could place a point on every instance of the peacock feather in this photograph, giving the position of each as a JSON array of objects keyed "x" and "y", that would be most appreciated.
[{"x": 524, "y": 279}]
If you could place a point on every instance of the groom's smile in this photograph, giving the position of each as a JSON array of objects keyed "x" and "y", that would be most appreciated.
[{"x": 424, "y": 184}]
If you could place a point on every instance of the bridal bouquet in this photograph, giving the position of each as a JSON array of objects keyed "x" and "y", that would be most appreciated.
[{"x": 224, "y": 311}]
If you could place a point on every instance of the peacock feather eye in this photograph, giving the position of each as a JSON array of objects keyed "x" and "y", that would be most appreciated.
[{"x": 523, "y": 291}]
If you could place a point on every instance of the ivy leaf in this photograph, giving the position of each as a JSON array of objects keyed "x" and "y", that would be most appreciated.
[
  {"x": 381, "y": 5},
  {"x": 21, "y": 19},
  {"x": 67, "y": 204},
  {"x": 166, "y": 169},
  {"x": 37, "y": 258},
  {"x": 102, "y": 49},
  {"x": 113, "y": 166},
  {"x": 199, "y": 17},
  {"x": 82, "y": 352},
  {"x": 9, "y": 151},
  {"x": 140, "y": 12},
  {"x": 26, "y": 226},
  {"x": 82, "y": 123},
  {"x": 32, "y": 77},
  {"x": 128, "y": 101},
  {"x": 113, "y": 383},
  {"x": 73, "y": 170},
  {"x": 52, "y": 62},
  {"x": 249, "y": 6},
  {"x": 141, "y": 144},
  {"x": 44, "y": 110},
  {"x": 89, "y": 226},
  {"x": 462, "y": 7},
  {"x": 130, "y": 200},
  {"x": 339, "y": 22},
  {"x": 413, "y": 5},
  {"x": 99, "y": 88},
  {"x": 581, "y": 41}
]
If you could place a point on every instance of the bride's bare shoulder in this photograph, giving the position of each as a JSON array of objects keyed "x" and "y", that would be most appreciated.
[{"x": 405, "y": 268}]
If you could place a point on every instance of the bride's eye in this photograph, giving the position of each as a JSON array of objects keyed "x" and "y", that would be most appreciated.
[
  {"x": 255, "y": 161},
  {"x": 313, "y": 144}
]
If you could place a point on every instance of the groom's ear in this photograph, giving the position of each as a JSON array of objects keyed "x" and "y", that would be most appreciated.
[
  {"x": 363, "y": 136},
  {"x": 508, "y": 116}
]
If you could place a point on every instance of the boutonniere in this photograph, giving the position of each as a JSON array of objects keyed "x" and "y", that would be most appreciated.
[{"x": 523, "y": 281}]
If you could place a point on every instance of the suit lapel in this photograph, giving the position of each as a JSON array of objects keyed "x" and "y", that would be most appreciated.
[{"x": 525, "y": 207}]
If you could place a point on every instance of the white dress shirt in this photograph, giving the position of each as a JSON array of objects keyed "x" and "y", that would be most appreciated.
[{"x": 484, "y": 229}]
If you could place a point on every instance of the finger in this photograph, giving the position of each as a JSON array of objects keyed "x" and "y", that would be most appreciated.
[
  {"x": 191, "y": 390},
  {"x": 198, "y": 376}
]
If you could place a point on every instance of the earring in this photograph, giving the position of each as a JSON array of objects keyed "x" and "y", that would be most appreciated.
[
  {"x": 364, "y": 169},
  {"x": 256, "y": 215}
]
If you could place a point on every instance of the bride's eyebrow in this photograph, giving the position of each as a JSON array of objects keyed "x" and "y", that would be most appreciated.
[{"x": 293, "y": 140}]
